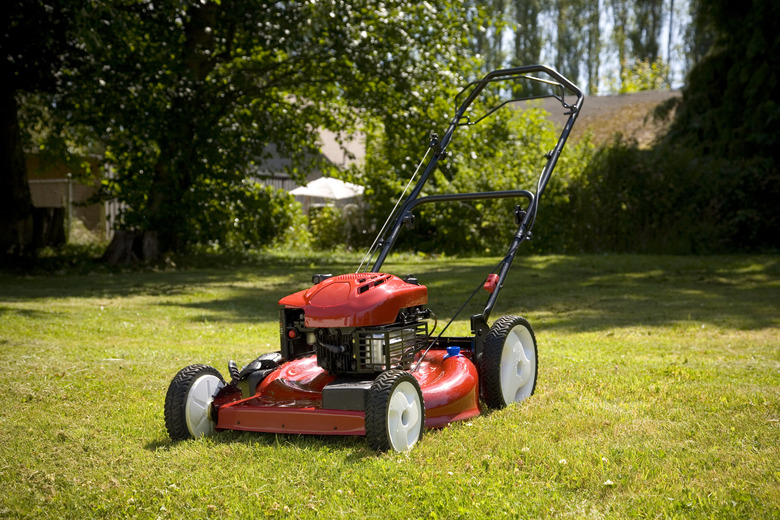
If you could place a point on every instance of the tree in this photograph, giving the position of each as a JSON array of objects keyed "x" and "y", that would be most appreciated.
[
  {"x": 712, "y": 183},
  {"x": 486, "y": 22},
  {"x": 567, "y": 44},
  {"x": 730, "y": 115},
  {"x": 700, "y": 34},
  {"x": 729, "y": 106},
  {"x": 593, "y": 44},
  {"x": 620, "y": 20},
  {"x": 16, "y": 220},
  {"x": 645, "y": 32},
  {"x": 36, "y": 46},
  {"x": 187, "y": 98},
  {"x": 528, "y": 32}
]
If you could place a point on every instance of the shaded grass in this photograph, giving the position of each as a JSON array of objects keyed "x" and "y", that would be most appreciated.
[{"x": 658, "y": 396}]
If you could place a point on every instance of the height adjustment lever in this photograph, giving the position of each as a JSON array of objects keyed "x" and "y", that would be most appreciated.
[
  {"x": 491, "y": 283},
  {"x": 435, "y": 143},
  {"x": 519, "y": 215}
]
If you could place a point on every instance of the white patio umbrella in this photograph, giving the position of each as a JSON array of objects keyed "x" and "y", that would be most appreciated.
[{"x": 329, "y": 188}]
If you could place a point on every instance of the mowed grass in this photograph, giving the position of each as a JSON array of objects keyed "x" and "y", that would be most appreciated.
[{"x": 658, "y": 396}]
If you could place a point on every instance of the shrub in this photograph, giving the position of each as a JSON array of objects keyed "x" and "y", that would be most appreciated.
[
  {"x": 670, "y": 199},
  {"x": 249, "y": 216}
]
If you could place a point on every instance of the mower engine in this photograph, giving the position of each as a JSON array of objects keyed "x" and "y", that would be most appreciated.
[{"x": 361, "y": 323}]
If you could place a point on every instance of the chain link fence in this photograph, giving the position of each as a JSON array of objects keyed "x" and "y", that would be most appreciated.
[{"x": 72, "y": 199}]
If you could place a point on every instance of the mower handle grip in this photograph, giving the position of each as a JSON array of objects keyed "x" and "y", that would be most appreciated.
[
  {"x": 527, "y": 69},
  {"x": 517, "y": 72}
]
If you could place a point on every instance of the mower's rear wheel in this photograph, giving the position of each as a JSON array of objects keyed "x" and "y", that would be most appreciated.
[
  {"x": 395, "y": 412},
  {"x": 188, "y": 402},
  {"x": 509, "y": 363}
]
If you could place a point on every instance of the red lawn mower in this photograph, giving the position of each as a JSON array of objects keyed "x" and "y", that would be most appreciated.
[{"x": 357, "y": 355}]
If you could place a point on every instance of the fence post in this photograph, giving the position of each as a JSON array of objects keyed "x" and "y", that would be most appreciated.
[{"x": 69, "y": 211}]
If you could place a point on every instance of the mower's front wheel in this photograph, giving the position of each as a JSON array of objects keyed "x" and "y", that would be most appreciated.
[
  {"x": 188, "y": 402},
  {"x": 395, "y": 412},
  {"x": 508, "y": 367}
]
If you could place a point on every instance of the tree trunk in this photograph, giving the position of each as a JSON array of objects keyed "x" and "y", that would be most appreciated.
[
  {"x": 131, "y": 247},
  {"x": 167, "y": 214},
  {"x": 16, "y": 218},
  {"x": 49, "y": 227}
]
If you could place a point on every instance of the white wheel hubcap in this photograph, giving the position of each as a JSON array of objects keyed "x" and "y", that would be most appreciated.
[
  {"x": 518, "y": 365},
  {"x": 198, "y": 402},
  {"x": 404, "y": 416}
]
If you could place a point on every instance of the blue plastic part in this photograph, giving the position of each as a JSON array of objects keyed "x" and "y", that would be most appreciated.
[{"x": 452, "y": 352}]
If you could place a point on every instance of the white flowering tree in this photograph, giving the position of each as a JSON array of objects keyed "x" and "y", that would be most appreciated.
[{"x": 182, "y": 97}]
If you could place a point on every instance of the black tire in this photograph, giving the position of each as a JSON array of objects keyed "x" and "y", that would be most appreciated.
[
  {"x": 509, "y": 362},
  {"x": 395, "y": 412},
  {"x": 188, "y": 402}
]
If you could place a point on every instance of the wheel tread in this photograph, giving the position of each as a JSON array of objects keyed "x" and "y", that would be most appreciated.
[
  {"x": 490, "y": 367},
  {"x": 176, "y": 397},
  {"x": 377, "y": 403}
]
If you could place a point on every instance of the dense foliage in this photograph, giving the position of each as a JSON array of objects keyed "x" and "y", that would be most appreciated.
[
  {"x": 506, "y": 151},
  {"x": 186, "y": 101},
  {"x": 239, "y": 217},
  {"x": 194, "y": 96},
  {"x": 712, "y": 184}
]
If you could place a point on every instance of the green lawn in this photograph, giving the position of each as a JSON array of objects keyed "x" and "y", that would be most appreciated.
[{"x": 658, "y": 396}]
